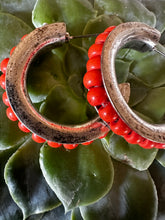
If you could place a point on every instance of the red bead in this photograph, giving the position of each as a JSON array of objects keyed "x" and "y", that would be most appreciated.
[
  {"x": 95, "y": 50},
  {"x": 94, "y": 63},
  {"x": 54, "y": 144},
  {"x": 10, "y": 114},
  {"x": 24, "y": 36},
  {"x": 147, "y": 144},
  {"x": 107, "y": 113},
  {"x": 22, "y": 127},
  {"x": 4, "y": 65},
  {"x": 119, "y": 127},
  {"x": 160, "y": 146},
  {"x": 87, "y": 143},
  {"x": 5, "y": 99},
  {"x": 97, "y": 96},
  {"x": 100, "y": 39},
  {"x": 38, "y": 139},
  {"x": 12, "y": 50},
  {"x": 92, "y": 78},
  {"x": 133, "y": 138},
  {"x": 2, "y": 81},
  {"x": 70, "y": 146},
  {"x": 109, "y": 29}
]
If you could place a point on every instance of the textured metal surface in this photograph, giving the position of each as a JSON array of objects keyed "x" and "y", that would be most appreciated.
[
  {"x": 44, "y": 38},
  {"x": 142, "y": 37}
]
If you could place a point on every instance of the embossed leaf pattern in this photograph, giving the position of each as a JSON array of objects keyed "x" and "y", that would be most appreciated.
[{"x": 39, "y": 182}]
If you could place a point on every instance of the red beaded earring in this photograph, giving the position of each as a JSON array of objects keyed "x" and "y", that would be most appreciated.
[
  {"x": 11, "y": 115},
  {"x": 97, "y": 96},
  {"x": 103, "y": 91},
  {"x": 55, "y": 135}
]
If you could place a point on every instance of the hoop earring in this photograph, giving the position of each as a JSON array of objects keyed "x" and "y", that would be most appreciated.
[
  {"x": 15, "y": 71},
  {"x": 115, "y": 111}
]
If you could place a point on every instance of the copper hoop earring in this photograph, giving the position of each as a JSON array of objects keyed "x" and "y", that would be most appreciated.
[{"x": 46, "y": 37}]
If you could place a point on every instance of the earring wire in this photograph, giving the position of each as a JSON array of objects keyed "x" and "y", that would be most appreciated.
[
  {"x": 160, "y": 49},
  {"x": 68, "y": 37}
]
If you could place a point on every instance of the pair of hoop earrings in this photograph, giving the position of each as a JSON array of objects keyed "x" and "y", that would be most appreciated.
[{"x": 104, "y": 93}]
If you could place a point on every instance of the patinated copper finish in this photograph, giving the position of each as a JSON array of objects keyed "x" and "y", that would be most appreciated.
[
  {"x": 44, "y": 38},
  {"x": 54, "y": 35}
]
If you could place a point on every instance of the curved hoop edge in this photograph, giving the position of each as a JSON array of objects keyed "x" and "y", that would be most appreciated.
[
  {"x": 40, "y": 38},
  {"x": 121, "y": 35}
]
